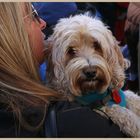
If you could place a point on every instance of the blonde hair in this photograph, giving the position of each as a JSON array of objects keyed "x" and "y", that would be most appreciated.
[{"x": 20, "y": 85}]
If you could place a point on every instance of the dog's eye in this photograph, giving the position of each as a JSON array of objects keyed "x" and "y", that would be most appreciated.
[
  {"x": 71, "y": 51},
  {"x": 97, "y": 45}
]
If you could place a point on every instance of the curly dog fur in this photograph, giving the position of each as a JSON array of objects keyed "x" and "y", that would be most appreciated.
[{"x": 84, "y": 56}]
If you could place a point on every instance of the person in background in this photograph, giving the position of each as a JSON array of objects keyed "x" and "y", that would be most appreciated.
[
  {"x": 120, "y": 15},
  {"x": 51, "y": 12},
  {"x": 132, "y": 37}
]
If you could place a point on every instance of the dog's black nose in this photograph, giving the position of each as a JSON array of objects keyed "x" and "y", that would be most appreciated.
[{"x": 90, "y": 73}]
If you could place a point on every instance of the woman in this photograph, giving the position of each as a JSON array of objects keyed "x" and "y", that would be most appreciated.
[
  {"x": 23, "y": 99},
  {"x": 21, "y": 54}
]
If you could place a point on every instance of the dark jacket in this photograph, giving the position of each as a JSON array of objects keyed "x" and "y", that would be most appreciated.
[{"x": 72, "y": 121}]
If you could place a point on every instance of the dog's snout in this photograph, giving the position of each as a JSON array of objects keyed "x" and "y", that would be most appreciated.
[{"x": 89, "y": 73}]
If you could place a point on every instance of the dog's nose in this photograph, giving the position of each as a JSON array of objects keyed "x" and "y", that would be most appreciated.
[{"x": 90, "y": 73}]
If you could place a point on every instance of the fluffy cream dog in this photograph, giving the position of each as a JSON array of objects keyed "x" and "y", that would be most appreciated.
[{"x": 83, "y": 56}]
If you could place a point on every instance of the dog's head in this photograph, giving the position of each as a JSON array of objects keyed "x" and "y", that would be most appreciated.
[{"x": 84, "y": 56}]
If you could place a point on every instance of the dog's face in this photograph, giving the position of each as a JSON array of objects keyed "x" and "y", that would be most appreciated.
[{"x": 85, "y": 55}]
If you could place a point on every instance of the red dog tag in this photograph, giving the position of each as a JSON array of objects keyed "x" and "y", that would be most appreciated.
[{"x": 116, "y": 96}]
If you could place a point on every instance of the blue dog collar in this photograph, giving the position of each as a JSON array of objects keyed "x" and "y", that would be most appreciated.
[{"x": 96, "y": 99}]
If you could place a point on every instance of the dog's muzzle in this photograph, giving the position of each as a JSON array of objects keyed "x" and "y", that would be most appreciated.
[
  {"x": 93, "y": 78},
  {"x": 85, "y": 76}
]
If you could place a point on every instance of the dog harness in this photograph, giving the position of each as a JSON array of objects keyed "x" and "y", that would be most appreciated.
[{"x": 97, "y": 100}]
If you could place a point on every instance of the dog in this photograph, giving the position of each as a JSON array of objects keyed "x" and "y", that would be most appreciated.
[{"x": 83, "y": 56}]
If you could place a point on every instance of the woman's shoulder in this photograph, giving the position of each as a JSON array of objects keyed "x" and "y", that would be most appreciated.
[
  {"x": 10, "y": 126},
  {"x": 74, "y": 120}
]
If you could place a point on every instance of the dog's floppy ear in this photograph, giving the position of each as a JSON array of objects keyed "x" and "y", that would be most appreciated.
[
  {"x": 118, "y": 52},
  {"x": 116, "y": 61},
  {"x": 124, "y": 63},
  {"x": 48, "y": 57}
]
